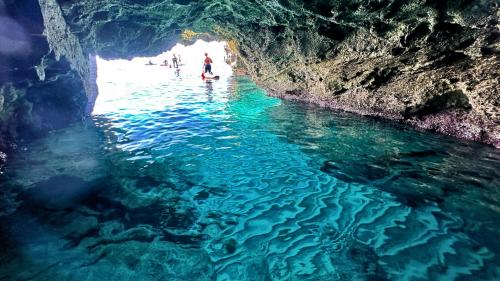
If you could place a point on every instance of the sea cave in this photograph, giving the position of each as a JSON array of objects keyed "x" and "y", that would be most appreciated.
[{"x": 249, "y": 140}]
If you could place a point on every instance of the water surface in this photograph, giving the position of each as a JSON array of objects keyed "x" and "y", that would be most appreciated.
[{"x": 188, "y": 180}]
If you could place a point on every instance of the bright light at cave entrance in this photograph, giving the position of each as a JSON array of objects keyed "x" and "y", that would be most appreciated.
[{"x": 118, "y": 80}]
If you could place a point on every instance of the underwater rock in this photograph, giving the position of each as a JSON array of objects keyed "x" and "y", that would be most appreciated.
[
  {"x": 59, "y": 192},
  {"x": 230, "y": 246},
  {"x": 49, "y": 157},
  {"x": 8, "y": 199},
  {"x": 415, "y": 177},
  {"x": 140, "y": 192},
  {"x": 368, "y": 261},
  {"x": 355, "y": 172},
  {"x": 131, "y": 254},
  {"x": 157, "y": 260}
]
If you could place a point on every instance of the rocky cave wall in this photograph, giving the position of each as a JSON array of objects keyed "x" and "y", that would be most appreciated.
[
  {"x": 46, "y": 80},
  {"x": 433, "y": 64},
  {"x": 430, "y": 63}
]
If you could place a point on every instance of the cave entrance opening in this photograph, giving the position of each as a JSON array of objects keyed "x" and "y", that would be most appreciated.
[{"x": 124, "y": 85}]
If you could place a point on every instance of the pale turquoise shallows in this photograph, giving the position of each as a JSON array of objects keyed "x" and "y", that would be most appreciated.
[{"x": 190, "y": 180}]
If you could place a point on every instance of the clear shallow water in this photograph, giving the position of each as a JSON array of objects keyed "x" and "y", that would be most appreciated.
[{"x": 185, "y": 180}]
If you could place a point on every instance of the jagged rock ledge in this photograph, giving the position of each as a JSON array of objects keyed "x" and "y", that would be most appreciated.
[
  {"x": 444, "y": 106},
  {"x": 432, "y": 64}
]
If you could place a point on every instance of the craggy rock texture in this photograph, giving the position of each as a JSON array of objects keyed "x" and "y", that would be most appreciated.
[
  {"x": 44, "y": 84},
  {"x": 433, "y": 64},
  {"x": 64, "y": 43},
  {"x": 430, "y": 63}
]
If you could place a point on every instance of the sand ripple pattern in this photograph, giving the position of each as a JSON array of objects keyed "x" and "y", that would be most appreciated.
[{"x": 297, "y": 193}]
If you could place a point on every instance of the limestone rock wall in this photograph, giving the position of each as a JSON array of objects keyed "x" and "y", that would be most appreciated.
[
  {"x": 433, "y": 64},
  {"x": 45, "y": 83},
  {"x": 63, "y": 43}
]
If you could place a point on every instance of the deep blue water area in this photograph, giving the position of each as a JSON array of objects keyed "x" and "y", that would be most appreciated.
[{"x": 217, "y": 181}]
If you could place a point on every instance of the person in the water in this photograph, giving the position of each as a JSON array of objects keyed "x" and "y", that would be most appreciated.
[
  {"x": 174, "y": 61},
  {"x": 207, "y": 64}
]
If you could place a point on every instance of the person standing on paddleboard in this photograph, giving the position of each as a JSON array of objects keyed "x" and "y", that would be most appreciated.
[
  {"x": 207, "y": 64},
  {"x": 174, "y": 62}
]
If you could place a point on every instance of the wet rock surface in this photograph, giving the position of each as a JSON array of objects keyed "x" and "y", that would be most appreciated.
[
  {"x": 45, "y": 84},
  {"x": 433, "y": 64}
]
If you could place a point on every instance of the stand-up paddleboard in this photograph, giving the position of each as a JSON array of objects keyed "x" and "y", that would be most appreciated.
[{"x": 209, "y": 77}]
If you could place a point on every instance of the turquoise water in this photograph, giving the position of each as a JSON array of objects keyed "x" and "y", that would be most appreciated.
[{"x": 188, "y": 180}]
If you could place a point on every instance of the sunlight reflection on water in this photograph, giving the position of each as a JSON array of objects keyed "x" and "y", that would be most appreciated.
[{"x": 125, "y": 84}]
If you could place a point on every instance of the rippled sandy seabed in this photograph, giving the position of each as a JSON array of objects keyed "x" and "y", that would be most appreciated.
[{"x": 188, "y": 180}]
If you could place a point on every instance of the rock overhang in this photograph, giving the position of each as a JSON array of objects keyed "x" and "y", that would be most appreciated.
[{"x": 316, "y": 30}]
